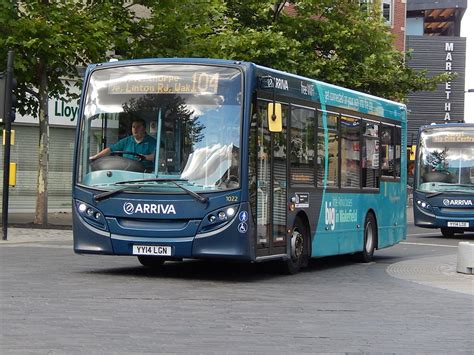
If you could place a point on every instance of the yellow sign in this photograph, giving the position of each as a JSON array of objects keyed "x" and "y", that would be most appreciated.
[
  {"x": 12, "y": 176},
  {"x": 12, "y": 137},
  {"x": 275, "y": 120},
  {"x": 413, "y": 152}
]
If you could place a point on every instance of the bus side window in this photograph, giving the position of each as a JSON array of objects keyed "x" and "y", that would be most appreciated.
[
  {"x": 333, "y": 150},
  {"x": 370, "y": 155},
  {"x": 350, "y": 152},
  {"x": 302, "y": 146},
  {"x": 398, "y": 150},
  {"x": 387, "y": 151}
]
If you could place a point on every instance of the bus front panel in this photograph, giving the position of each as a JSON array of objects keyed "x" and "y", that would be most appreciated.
[
  {"x": 183, "y": 201},
  {"x": 444, "y": 178}
]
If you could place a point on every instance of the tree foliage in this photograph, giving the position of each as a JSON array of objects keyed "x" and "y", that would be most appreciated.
[
  {"x": 54, "y": 38},
  {"x": 50, "y": 40},
  {"x": 330, "y": 40}
]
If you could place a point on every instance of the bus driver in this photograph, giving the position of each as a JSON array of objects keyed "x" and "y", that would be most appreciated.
[{"x": 139, "y": 142}]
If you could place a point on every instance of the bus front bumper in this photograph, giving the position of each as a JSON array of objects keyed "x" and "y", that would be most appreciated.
[
  {"x": 229, "y": 242},
  {"x": 434, "y": 220}
]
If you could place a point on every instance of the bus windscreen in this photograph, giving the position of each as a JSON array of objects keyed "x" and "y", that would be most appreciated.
[
  {"x": 446, "y": 160},
  {"x": 192, "y": 120}
]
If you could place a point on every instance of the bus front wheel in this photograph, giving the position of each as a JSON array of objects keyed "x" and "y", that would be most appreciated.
[
  {"x": 447, "y": 232},
  {"x": 151, "y": 261},
  {"x": 298, "y": 249},
  {"x": 370, "y": 239}
]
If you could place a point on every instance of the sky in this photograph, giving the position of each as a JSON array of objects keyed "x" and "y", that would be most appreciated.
[{"x": 467, "y": 30}]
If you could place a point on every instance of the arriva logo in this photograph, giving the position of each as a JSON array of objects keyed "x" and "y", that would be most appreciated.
[
  {"x": 448, "y": 202},
  {"x": 152, "y": 208}
]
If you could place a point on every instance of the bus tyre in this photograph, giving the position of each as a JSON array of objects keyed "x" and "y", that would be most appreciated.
[
  {"x": 447, "y": 232},
  {"x": 151, "y": 261},
  {"x": 298, "y": 249},
  {"x": 370, "y": 239}
]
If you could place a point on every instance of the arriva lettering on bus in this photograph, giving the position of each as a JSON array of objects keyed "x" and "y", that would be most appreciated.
[
  {"x": 152, "y": 208},
  {"x": 281, "y": 84},
  {"x": 448, "y": 202}
]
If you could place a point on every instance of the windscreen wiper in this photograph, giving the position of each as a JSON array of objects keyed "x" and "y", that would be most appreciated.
[
  {"x": 433, "y": 194},
  {"x": 198, "y": 197},
  {"x": 106, "y": 194},
  {"x": 458, "y": 185}
]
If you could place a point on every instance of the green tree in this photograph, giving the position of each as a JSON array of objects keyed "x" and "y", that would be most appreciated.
[
  {"x": 177, "y": 28},
  {"x": 50, "y": 40},
  {"x": 331, "y": 40}
]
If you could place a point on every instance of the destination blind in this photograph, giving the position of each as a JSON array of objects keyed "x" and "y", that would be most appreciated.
[
  {"x": 454, "y": 137},
  {"x": 198, "y": 82}
]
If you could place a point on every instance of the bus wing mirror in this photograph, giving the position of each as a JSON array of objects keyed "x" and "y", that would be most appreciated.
[{"x": 275, "y": 121}]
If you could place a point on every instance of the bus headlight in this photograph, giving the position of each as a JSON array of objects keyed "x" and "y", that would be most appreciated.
[
  {"x": 230, "y": 211},
  {"x": 218, "y": 218},
  {"x": 91, "y": 215},
  {"x": 424, "y": 205}
]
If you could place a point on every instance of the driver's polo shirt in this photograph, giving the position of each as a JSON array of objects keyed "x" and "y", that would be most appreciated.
[{"x": 128, "y": 144}]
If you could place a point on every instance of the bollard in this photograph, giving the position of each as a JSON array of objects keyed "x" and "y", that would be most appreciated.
[{"x": 465, "y": 258}]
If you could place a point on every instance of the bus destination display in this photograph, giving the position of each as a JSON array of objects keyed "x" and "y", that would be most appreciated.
[
  {"x": 169, "y": 83},
  {"x": 454, "y": 137}
]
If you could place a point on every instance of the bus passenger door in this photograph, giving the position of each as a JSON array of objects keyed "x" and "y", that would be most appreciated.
[{"x": 271, "y": 184}]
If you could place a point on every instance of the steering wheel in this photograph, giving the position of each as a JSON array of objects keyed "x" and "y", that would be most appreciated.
[
  {"x": 232, "y": 178},
  {"x": 438, "y": 176},
  {"x": 231, "y": 182},
  {"x": 117, "y": 163},
  {"x": 140, "y": 157}
]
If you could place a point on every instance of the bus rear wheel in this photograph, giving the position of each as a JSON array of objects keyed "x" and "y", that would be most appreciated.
[
  {"x": 370, "y": 239},
  {"x": 298, "y": 249},
  {"x": 151, "y": 261},
  {"x": 447, "y": 232}
]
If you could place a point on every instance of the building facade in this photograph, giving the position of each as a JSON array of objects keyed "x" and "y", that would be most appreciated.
[
  {"x": 24, "y": 152},
  {"x": 434, "y": 44},
  {"x": 398, "y": 23}
]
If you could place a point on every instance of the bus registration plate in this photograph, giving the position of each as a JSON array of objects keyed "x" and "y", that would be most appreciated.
[
  {"x": 458, "y": 224},
  {"x": 151, "y": 250}
]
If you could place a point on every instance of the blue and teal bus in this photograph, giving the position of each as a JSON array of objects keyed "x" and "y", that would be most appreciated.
[
  {"x": 443, "y": 192},
  {"x": 251, "y": 164}
]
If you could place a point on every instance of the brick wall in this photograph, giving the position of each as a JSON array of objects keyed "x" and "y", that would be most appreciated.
[{"x": 399, "y": 23}]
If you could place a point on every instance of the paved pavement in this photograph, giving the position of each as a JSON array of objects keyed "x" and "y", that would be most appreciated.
[{"x": 438, "y": 271}]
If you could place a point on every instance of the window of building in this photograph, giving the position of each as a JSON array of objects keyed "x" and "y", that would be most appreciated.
[{"x": 387, "y": 9}]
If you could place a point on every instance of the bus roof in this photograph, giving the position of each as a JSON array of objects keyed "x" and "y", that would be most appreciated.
[
  {"x": 446, "y": 125},
  {"x": 294, "y": 85}
]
